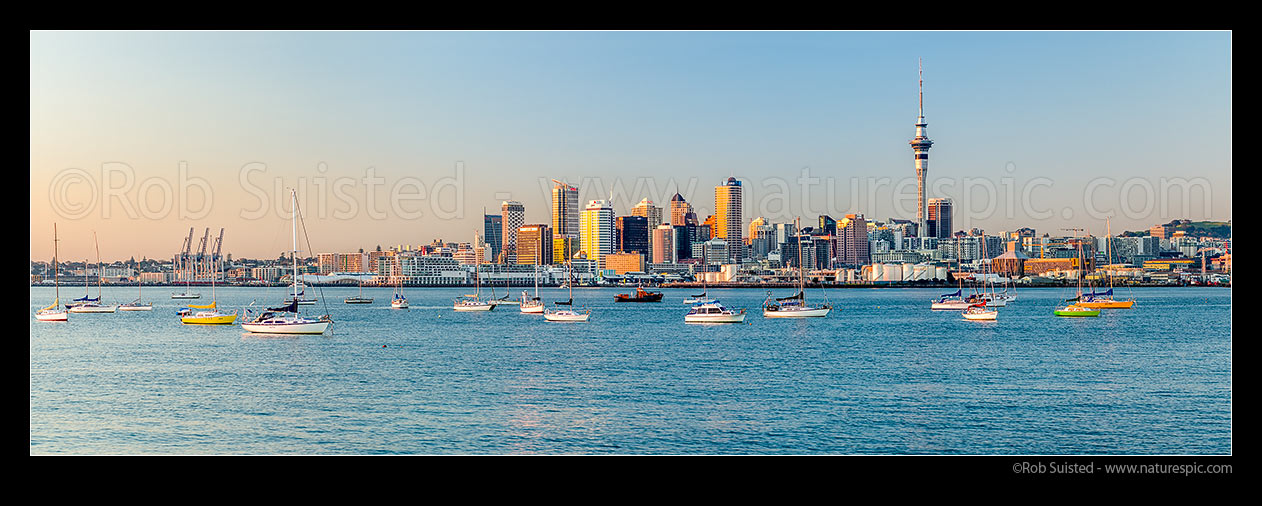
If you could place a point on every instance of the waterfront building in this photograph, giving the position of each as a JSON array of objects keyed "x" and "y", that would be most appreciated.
[
  {"x": 493, "y": 231},
  {"x": 622, "y": 263},
  {"x": 852, "y": 247},
  {"x": 663, "y": 245},
  {"x": 513, "y": 217},
  {"x": 565, "y": 221},
  {"x": 827, "y": 225},
  {"x": 729, "y": 224},
  {"x": 632, "y": 234},
  {"x": 681, "y": 211},
  {"x": 939, "y": 222},
  {"x": 534, "y": 245},
  {"x": 341, "y": 262},
  {"x": 596, "y": 231}
]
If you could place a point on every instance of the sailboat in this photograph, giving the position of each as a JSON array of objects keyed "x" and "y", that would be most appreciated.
[
  {"x": 987, "y": 298},
  {"x": 703, "y": 297},
  {"x": 1076, "y": 310},
  {"x": 188, "y": 285},
  {"x": 398, "y": 301},
  {"x": 951, "y": 301},
  {"x": 54, "y": 313},
  {"x": 979, "y": 311},
  {"x": 87, "y": 304},
  {"x": 1105, "y": 299},
  {"x": 474, "y": 302},
  {"x": 208, "y": 314},
  {"x": 794, "y": 306},
  {"x": 137, "y": 305},
  {"x": 532, "y": 305},
  {"x": 359, "y": 299},
  {"x": 286, "y": 319},
  {"x": 567, "y": 315}
]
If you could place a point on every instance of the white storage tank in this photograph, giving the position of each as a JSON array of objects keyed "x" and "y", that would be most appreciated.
[{"x": 893, "y": 272}]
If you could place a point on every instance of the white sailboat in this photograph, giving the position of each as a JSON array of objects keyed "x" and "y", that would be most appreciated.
[
  {"x": 398, "y": 300},
  {"x": 794, "y": 306},
  {"x": 951, "y": 301},
  {"x": 137, "y": 305},
  {"x": 359, "y": 299},
  {"x": 567, "y": 314},
  {"x": 188, "y": 283},
  {"x": 54, "y": 313},
  {"x": 532, "y": 305},
  {"x": 286, "y": 319},
  {"x": 474, "y": 302},
  {"x": 86, "y": 304}
]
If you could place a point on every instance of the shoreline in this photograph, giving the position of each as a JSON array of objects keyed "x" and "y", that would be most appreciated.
[{"x": 689, "y": 284}]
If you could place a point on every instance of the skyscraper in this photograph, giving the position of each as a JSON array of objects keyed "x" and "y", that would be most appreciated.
[
  {"x": 827, "y": 225},
  {"x": 565, "y": 220},
  {"x": 852, "y": 241},
  {"x": 534, "y": 245},
  {"x": 728, "y": 224},
  {"x": 680, "y": 211},
  {"x": 939, "y": 222},
  {"x": 664, "y": 245},
  {"x": 596, "y": 231},
  {"x": 753, "y": 228},
  {"x": 632, "y": 234},
  {"x": 513, "y": 217},
  {"x": 651, "y": 213},
  {"x": 920, "y": 145},
  {"x": 492, "y": 229}
]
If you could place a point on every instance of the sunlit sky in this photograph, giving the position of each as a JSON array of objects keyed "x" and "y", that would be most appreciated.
[{"x": 403, "y": 137}]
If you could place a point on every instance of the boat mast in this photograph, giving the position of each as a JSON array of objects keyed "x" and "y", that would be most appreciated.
[
  {"x": 56, "y": 281},
  {"x": 98, "y": 266},
  {"x": 797, "y": 223},
  {"x": 294, "y": 253}
]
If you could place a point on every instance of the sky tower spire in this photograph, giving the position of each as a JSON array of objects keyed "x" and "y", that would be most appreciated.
[{"x": 920, "y": 145}]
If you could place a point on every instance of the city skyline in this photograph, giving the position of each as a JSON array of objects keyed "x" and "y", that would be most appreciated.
[{"x": 639, "y": 115}]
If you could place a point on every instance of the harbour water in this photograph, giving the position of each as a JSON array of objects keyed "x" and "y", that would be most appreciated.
[{"x": 882, "y": 374}]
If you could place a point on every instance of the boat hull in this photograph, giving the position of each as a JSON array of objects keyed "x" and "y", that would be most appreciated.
[
  {"x": 399, "y": 305},
  {"x": 188, "y": 296},
  {"x": 813, "y": 312},
  {"x": 566, "y": 317},
  {"x": 317, "y": 327},
  {"x": 714, "y": 318},
  {"x": 136, "y": 308},
  {"x": 358, "y": 301},
  {"x": 988, "y": 315},
  {"x": 951, "y": 305},
  {"x": 93, "y": 309},
  {"x": 1108, "y": 304},
  {"x": 225, "y": 319},
  {"x": 1077, "y": 313},
  {"x": 532, "y": 309},
  {"x": 473, "y": 307},
  {"x": 53, "y": 316}
]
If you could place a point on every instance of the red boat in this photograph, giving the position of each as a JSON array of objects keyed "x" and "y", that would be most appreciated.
[{"x": 640, "y": 296}]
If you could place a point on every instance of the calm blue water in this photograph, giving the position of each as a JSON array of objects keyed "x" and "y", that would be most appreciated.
[{"x": 883, "y": 376}]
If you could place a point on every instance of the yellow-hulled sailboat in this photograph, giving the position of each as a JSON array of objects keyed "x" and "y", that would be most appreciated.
[{"x": 209, "y": 314}]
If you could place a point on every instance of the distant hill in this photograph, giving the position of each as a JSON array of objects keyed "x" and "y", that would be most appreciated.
[{"x": 1217, "y": 229}]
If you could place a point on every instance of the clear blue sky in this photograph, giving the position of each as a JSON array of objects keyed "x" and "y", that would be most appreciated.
[{"x": 632, "y": 112}]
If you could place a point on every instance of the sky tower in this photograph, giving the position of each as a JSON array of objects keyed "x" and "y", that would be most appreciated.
[{"x": 920, "y": 145}]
